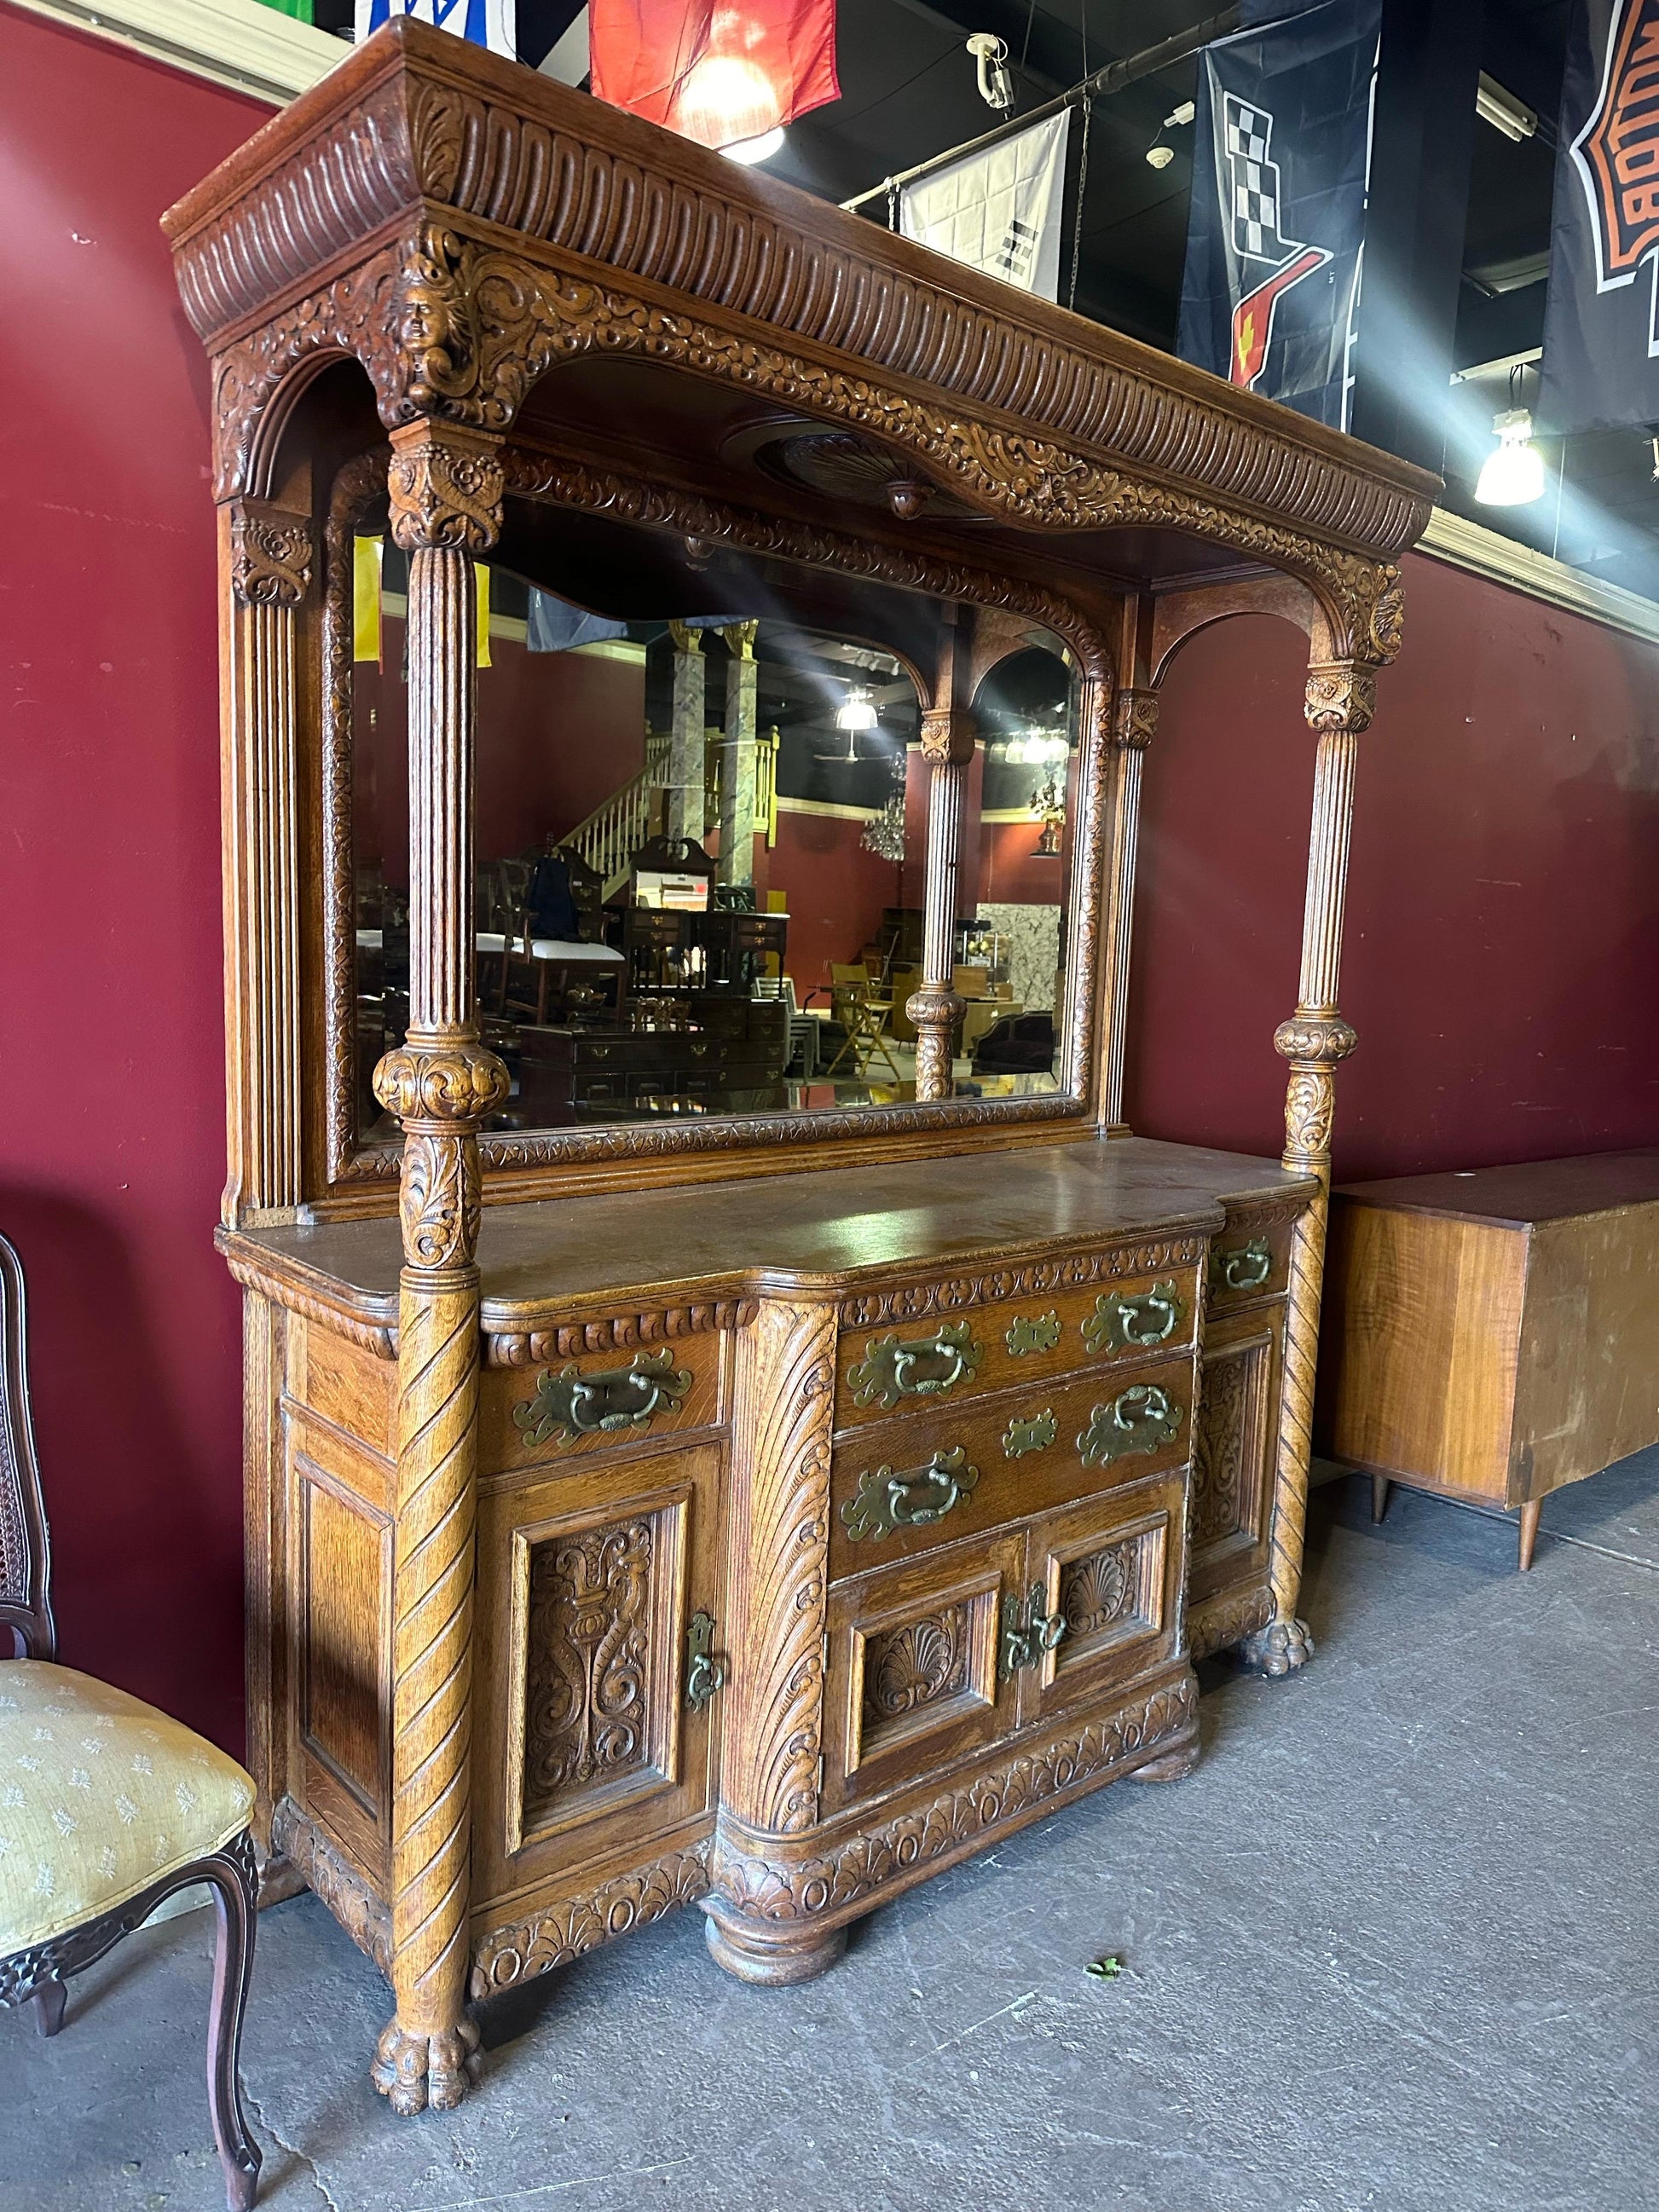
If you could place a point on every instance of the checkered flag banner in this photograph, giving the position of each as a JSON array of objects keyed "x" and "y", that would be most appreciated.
[
  {"x": 998, "y": 210},
  {"x": 1281, "y": 163}
]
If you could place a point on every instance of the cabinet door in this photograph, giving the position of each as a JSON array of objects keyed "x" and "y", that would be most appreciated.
[
  {"x": 588, "y": 1584},
  {"x": 1109, "y": 1570},
  {"x": 1233, "y": 1439},
  {"x": 913, "y": 1681}
]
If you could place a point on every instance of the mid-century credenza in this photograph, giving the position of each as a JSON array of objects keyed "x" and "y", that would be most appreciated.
[{"x": 756, "y": 1505}]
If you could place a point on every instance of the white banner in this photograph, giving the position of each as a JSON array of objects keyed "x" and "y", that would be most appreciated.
[
  {"x": 998, "y": 210},
  {"x": 485, "y": 22}
]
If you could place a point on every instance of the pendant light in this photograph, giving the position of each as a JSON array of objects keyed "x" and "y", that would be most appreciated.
[{"x": 1514, "y": 474}]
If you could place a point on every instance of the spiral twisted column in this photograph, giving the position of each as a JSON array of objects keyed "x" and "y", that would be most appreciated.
[
  {"x": 934, "y": 1009},
  {"x": 1340, "y": 697},
  {"x": 1133, "y": 726},
  {"x": 446, "y": 487}
]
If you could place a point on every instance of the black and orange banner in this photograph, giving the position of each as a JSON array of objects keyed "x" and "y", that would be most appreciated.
[
  {"x": 1602, "y": 328},
  {"x": 1280, "y": 166}
]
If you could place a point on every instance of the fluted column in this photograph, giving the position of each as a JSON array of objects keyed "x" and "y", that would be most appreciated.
[
  {"x": 446, "y": 487},
  {"x": 737, "y": 785},
  {"x": 1340, "y": 697},
  {"x": 270, "y": 565},
  {"x": 686, "y": 738},
  {"x": 1134, "y": 725},
  {"x": 947, "y": 743}
]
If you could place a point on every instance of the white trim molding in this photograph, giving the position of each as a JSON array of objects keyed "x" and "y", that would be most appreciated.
[
  {"x": 1465, "y": 544},
  {"x": 239, "y": 43}
]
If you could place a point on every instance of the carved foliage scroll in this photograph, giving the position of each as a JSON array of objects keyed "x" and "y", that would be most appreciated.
[{"x": 587, "y": 1661}]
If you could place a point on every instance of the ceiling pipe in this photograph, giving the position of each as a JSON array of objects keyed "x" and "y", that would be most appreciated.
[{"x": 1112, "y": 78}]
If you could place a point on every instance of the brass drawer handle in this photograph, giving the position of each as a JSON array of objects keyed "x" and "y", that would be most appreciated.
[
  {"x": 1138, "y": 1419},
  {"x": 571, "y": 1404},
  {"x": 1028, "y": 1634},
  {"x": 925, "y": 1367},
  {"x": 1029, "y": 1432},
  {"x": 1123, "y": 1321},
  {"x": 704, "y": 1673},
  {"x": 1026, "y": 1334},
  {"x": 911, "y": 1499},
  {"x": 1241, "y": 1267}
]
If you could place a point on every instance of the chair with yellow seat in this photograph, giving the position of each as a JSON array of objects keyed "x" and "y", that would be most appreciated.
[{"x": 106, "y": 1807}]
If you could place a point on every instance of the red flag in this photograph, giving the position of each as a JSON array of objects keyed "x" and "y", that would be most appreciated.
[{"x": 720, "y": 71}]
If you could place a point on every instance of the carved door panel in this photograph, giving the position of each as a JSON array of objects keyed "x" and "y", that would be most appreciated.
[
  {"x": 595, "y": 1721},
  {"x": 915, "y": 1682},
  {"x": 1104, "y": 1593},
  {"x": 1234, "y": 1438}
]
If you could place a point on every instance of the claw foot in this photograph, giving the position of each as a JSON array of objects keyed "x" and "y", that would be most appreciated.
[
  {"x": 415, "y": 2072},
  {"x": 1280, "y": 1648}
]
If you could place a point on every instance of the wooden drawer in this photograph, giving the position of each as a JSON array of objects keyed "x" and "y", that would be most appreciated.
[
  {"x": 902, "y": 1486},
  {"x": 1249, "y": 1259},
  {"x": 528, "y": 1416},
  {"x": 1012, "y": 1343}
]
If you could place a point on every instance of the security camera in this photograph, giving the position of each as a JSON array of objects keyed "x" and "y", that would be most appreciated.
[{"x": 996, "y": 87}]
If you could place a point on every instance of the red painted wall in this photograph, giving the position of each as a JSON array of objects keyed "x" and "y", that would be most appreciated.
[
  {"x": 1503, "y": 932},
  {"x": 112, "y": 1143},
  {"x": 835, "y": 890}
]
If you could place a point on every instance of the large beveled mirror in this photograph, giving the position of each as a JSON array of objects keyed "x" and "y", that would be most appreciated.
[{"x": 703, "y": 826}]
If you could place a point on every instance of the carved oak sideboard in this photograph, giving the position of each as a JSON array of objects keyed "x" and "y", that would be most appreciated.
[{"x": 762, "y": 1509}]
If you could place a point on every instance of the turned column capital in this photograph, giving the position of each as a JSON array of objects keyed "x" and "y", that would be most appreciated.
[
  {"x": 948, "y": 735},
  {"x": 270, "y": 555},
  {"x": 445, "y": 485},
  {"x": 445, "y": 1081},
  {"x": 1319, "y": 1040},
  {"x": 1341, "y": 695},
  {"x": 1134, "y": 720}
]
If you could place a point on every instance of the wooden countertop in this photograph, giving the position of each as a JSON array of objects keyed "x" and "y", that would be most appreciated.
[
  {"x": 810, "y": 1231},
  {"x": 1517, "y": 1197}
]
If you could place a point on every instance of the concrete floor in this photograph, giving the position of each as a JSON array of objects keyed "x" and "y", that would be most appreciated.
[{"x": 1392, "y": 1946}]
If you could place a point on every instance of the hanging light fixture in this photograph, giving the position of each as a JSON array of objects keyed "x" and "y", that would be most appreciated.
[
  {"x": 729, "y": 102},
  {"x": 996, "y": 87},
  {"x": 856, "y": 712},
  {"x": 1514, "y": 474}
]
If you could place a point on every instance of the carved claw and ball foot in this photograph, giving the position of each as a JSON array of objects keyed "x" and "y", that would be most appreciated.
[
  {"x": 1174, "y": 1765},
  {"x": 772, "y": 1965},
  {"x": 418, "y": 2073},
  {"x": 1279, "y": 1649}
]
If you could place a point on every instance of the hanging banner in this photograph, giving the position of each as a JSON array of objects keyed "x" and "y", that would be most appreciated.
[
  {"x": 1600, "y": 363},
  {"x": 485, "y": 22},
  {"x": 1281, "y": 163},
  {"x": 998, "y": 210},
  {"x": 718, "y": 73}
]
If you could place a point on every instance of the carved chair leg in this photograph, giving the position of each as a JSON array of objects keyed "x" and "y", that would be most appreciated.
[
  {"x": 1529, "y": 1513},
  {"x": 49, "y": 2000},
  {"x": 231, "y": 1875},
  {"x": 1380, "y": 1485}
]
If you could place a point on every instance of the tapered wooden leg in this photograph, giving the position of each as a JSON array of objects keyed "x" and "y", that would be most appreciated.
[
  {"x": 49, "y": 2000},
  {"x": 1381, "y": 1486},
  {"x": 233, "y": 1879},
  {"x": 1529, "y": 1513}
]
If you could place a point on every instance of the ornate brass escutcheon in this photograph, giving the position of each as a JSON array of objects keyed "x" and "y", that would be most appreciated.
[
  {"x": 1138, "y": 1419},
  {"x": 1029, "y": 1432},
  {"x": 571, "y": 1404},
  {"x": 1026, "y": 1333},
  {"x": 1028, "y": 1634},
  {"x": 1241, "y": 1267},
  {"x": 1124, "y": 1320},
  {"x": 911, "y": 1499},
  {"x": 923, "y": 1367},
  {"x": 704, "y": 1673}
]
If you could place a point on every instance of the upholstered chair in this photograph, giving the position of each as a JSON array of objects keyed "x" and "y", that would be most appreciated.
[{"x": 107, "y": 1805}]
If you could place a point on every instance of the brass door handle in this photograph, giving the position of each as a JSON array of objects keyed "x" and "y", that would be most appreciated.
[
  {"x": 911, "y": 1499},
  {"x": 923, "y": 1367},
  {"x": 571, "y": 1404},
  {"x": 1028, "y": 1634},
  {"x": 1121, "y": 1322},
  {"x": 1243, "y": 1267},
  {"x": 704, "y": 1673},
  {"x": 1138, "y": 1419}
]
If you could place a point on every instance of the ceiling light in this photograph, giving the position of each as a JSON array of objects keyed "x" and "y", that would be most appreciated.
[
  {"x": 1503, "y": 110},
  {"x": 1160, "y": 157},
  {"x": 750, "y": 150},
  {"x": 1515, "y": 473},
  {"x": 728, "y": 101},
  {"x": 856, "y": 712},
  {"x": 996, "y": 88}
]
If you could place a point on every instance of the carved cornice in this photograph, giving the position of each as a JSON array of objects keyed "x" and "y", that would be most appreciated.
[
  {"x": 1073, "y": 1271},
  {"x": 614, "y": 1333},
  {"x": 1341, "y": 694},
  {"x": 567, "y": 1927},
  {"x": 761, "y": 1879},
  {"x": 403, "y": 127},
  {"x": 270, "y": 555},
  {"x": 948, "y": 734},
  {"x": 326, "y": 1869}
]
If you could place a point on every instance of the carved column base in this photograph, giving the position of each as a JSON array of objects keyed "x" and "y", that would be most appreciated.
[
  {"x": 415, "y": 2072},
  {"x": 1279, "y": 1649},
  {"x": 775, "y": 1956}
]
